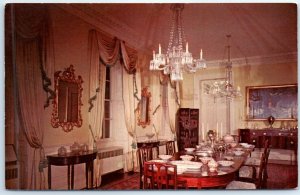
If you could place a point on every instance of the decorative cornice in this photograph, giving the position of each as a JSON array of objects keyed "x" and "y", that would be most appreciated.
[
  {"x": 102, "y": 21},
  {"x": 259, "y": 60}
]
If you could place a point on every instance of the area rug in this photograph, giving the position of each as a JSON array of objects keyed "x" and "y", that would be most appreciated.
[{"x": 129, "y": 183}]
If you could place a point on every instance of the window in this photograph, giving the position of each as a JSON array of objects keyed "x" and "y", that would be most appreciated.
[{"x": 107, "y": 117}]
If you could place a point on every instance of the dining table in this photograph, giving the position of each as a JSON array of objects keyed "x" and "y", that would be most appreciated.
[{"x": 221, "y": 176}]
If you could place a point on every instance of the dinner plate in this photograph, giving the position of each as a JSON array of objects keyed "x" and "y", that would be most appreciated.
[
  {"x": 158, "y": 161},
  {"x": 238, "y": 153},
  {"x": 225, "y": 163},
  {"x": 187, "y": 164}
]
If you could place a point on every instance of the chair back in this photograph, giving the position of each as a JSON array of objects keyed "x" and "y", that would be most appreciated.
[
  {"x": 266, "y": 145},
  {"x": 145, "y": 153},
  {"x": 160, "y": 176},
  {"x": 170, "y": 148},
  {"x": 262, "y": 167},
  {"x": 265, "y": 173},
  {"x": 267, "y": 155}
]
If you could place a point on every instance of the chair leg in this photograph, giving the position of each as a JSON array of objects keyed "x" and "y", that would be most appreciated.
[{"x": 141, "y": 183}]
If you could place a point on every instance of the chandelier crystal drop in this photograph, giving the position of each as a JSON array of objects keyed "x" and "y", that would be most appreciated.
[
  {"x": 224, "y": 88},
  {"x": 176, "y": 60}
]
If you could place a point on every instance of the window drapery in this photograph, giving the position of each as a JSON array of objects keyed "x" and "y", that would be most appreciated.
[
  {"x": 173, "y": 104},
  {"x": 108, "y": 51},
  {"x": 33, "y": 61}
]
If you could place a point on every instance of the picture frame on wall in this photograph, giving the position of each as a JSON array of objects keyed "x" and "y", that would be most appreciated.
[{"x": 279, "y": 101}]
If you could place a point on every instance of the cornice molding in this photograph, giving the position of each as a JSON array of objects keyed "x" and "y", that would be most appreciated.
[{"x": 291, "y": 57}]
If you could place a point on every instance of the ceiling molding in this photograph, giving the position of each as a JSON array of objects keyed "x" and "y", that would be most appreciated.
[
  {"x": 102, "y": 21},
  {"x": 260, "y": 60}
]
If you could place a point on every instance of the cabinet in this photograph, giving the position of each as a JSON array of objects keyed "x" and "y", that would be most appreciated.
[
  {"x": 187, "y": 128},
  {"x": 277, "y": 138}
]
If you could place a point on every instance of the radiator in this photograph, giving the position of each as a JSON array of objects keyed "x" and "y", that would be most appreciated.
[
  {"x": 12, "y": 168},
  {"x": 111, "y": 159},
  {"x": 12, "y": 176}
]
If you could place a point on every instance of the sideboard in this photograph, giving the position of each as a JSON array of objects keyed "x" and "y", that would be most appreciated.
[{"x": 279, "y": 139}]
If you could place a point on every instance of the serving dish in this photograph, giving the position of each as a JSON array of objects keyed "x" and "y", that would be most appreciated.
[
  {"x": 165, "y": 157},
  {"x": 186, "y": 157},
  {"x": 190, "y": 150}
]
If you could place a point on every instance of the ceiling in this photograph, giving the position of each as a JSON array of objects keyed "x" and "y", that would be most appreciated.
[{"x": 257, "y": 29}]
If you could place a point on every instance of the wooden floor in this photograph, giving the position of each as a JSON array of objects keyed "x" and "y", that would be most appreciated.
[{"x": 281, "y": 176}]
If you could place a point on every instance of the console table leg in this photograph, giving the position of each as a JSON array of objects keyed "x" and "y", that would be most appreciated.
[
  {"x": 49, "y": 177},
  {"x": 68, "y": 177},
  {"x": 72, "y": 177},
  {"x": 87, "y": 175},
  {"x": 92, "y": 174}
]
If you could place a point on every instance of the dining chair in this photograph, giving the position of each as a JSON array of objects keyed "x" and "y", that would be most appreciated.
[
  {"x": 162, "y": 176},
  {"x": 250, "y": 171},
  {"x": 256, "y": 161},
  {"x": 145, "y": 153},
  {"x": 253, "y": 163},
  {"x": 251, "y": 183},
  {"x": 170, "y": 148}
]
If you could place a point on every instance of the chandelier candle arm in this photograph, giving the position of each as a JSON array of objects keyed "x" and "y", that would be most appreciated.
[
  {"x": 187, "y": 47},
  {"x": 201, "y": 53},
  {"x": 159, "y": 49},
  {"x": 175, "y": 61}
]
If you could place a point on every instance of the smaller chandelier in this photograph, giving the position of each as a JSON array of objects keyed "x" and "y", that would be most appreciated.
[
  {"x": 176, "y": 61},
  {"x": 224, "y": 87}
]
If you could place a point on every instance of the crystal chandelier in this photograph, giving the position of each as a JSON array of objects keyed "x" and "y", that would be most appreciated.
[
  {"x": 224, "y": 88},
  {"x": 175, "y": 61}
]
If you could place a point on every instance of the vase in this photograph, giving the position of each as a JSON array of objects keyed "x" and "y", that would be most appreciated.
[{"x": 271, "y": 120}]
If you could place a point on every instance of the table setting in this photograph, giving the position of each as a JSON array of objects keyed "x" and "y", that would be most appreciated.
[{"x": 212, "y": 163}]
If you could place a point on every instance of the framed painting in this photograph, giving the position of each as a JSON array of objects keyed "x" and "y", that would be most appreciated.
[{"x": 279, "y": 101}]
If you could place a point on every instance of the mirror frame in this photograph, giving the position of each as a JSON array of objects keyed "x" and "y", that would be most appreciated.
[
  {"x": 145, "y": 94},
  {"x": 67, "y": 75}
]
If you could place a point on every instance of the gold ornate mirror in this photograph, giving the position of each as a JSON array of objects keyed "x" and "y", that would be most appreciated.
[
  {"x": 67, "y": 101},
  {"x": 143, "y": 109}
]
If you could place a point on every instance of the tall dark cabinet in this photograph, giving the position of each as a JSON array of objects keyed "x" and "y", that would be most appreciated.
[{"x": 187, "y": 128}]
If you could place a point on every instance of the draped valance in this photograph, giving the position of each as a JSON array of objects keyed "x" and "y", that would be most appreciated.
[
  {"x": 112, "y": 49},
  {"x": 33, "y": 23}
]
